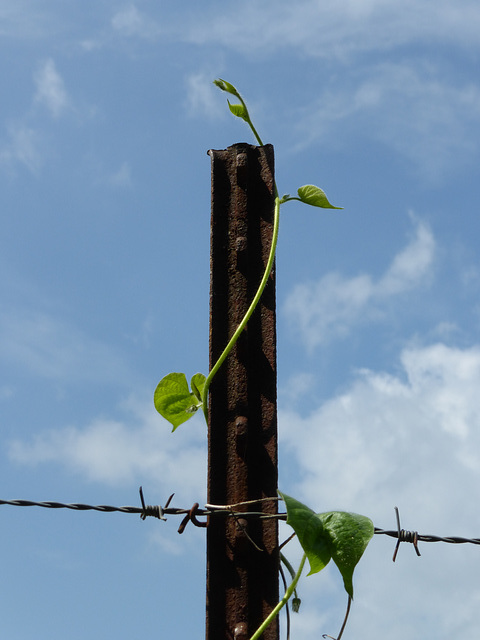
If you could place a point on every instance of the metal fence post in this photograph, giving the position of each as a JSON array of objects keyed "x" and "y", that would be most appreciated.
[{"x": 242, "y": 554}]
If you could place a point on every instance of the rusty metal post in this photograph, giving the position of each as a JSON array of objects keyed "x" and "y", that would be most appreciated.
[{"x": 242, "y": 555}]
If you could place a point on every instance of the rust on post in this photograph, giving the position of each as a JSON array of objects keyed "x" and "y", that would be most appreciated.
[{"x": 242, "y": 554}]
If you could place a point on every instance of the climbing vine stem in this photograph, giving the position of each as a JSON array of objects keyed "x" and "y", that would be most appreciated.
[
  {"x": 335, "y": 535},
  {"x": 173, "y": 399},
  {"x": 288, "y": 594},
  {"x": 251, "y": 308}
]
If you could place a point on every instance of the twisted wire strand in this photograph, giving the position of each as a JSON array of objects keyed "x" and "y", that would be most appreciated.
[
  {"x": 99, "y": 507},
  {"x": 158, "y": 512},
  {"x": 148, "y": 510}
]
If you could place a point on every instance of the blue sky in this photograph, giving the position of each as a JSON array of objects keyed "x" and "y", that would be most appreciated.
[{"x": 107, "y": 112}]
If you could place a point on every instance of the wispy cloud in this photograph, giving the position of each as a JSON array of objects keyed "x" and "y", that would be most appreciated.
[
  {"x": 340, "y": 29},
  {"x": 328, "y": 309},
  {"x": 50, "y": 89},
  {"x": 202, "y": 96},
  {"x": 22, "y": 146},
  {"x": 418, "y": 110},
  {"x": 130, "y": 22},
  {"x": 138, "y": 448},
  {"x": 415, "y": 102}
]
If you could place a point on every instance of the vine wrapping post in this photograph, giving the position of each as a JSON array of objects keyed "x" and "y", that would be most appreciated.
[
  {"x": 242, "y": 582},
  {"x": 241, "y": 412}
]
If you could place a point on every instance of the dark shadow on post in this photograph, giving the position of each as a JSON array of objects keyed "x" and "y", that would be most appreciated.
[{"x": 242, "y": 581}]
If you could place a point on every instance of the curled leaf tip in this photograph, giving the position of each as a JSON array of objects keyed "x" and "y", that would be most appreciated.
[{"x": 225, "y": 86}]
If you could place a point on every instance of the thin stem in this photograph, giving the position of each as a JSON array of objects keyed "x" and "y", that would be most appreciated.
[
  {"x": 259, "y": 140},
  {"x": 288, "y": 593},
  {"x": 344, "y": 622},
  {"x": 250, "y": 123},
  {"x": 251, "y": 308},
  {"x": 291, "y": 572},
  {"x": 346, "y": 618},
  {"x": 287, "y": 610}
]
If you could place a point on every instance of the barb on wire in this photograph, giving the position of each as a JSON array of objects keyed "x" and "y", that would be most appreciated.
[
  {"x": 414, "y": 537},
  {"x": 155, "y": 511},
  {"x": 405, "y": 536},
  {"x": 431, "y": 538}
]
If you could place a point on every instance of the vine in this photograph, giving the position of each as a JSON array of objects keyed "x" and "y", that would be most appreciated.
[{"x": 336, "y": 535}]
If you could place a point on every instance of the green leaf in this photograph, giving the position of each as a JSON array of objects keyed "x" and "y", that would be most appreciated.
[
  {"x": 225, "y": 86},
  {"x": 238, "y": 110},
  {"x": 310, "y": 194},
  {"x": 335, "y": 534},
  {"x": 349, "y": 535},
  {"x": 173, "y": 399},
  {"x": 310, "y": 532},
  {"x": 197, "y": 384}
]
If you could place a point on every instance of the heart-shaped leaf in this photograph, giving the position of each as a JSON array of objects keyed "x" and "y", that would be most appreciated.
[
  {"x": 174, "y": 400},
  {"x": 339, "y": 535}
]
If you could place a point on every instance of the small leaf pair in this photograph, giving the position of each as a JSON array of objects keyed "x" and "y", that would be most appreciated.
[{"x": 238, "y": 110}]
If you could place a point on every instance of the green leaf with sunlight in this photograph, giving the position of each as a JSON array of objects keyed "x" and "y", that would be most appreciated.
[
  {"x": 174, "y": 400},
  {"x": 349, "y": 535},
  {"x": 310, "y": 533},
  {"x": 335, "y": 534},
  {"x": 238, "y": 110},
  {"x": 314, "y": 196}
]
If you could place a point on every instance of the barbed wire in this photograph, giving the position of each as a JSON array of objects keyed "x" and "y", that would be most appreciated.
[
  {"x": 429, "y": 538},
  {"x": 156, "y": 511},
  {"x": 231, "y": 510}
]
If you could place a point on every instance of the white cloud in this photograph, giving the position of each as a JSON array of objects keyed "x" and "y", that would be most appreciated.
[
  {"x": 140, "y": 448},
  {"x": 414, "y": 102},
  {"x": 297, "y": 387},
  {"x": 421, "y": 426},
  {"x": 411, "y": 440},
  {"x": 340, "y": 29},
  {"x": 202, "y": 96},
  {"x": 327, "y": 309},
  {"x": 418, "y": 110},
  {"x": 411, "y": 266},
  {"x": 21, "y": 147},
  {"x": 50, "y": 89},
  {"x": 130, "y": 22}
]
